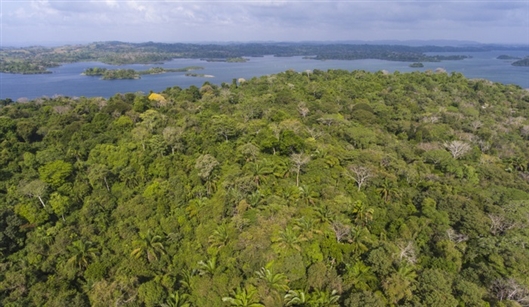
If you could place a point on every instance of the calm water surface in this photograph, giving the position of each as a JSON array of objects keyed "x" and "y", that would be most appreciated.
[{"x": 67, "y": 79}]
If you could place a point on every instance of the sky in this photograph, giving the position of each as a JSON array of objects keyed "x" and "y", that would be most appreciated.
[{"x": 48, "y": 22}]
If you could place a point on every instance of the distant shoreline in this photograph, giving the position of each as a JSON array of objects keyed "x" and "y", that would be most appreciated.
[
  {"x": 67, "y": 81},
  {"x": 39, "y": 59}
]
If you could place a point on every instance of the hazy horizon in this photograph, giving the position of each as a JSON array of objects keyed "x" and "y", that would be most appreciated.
[
  {"x": 411, "y": 43},
  {"x": 58, "y": 22}
]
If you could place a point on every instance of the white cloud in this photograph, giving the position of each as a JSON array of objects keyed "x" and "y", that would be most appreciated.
[{"x": 238, "y": 20}]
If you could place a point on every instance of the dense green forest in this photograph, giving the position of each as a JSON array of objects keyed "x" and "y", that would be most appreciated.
[{"x": 321, "y": 188}]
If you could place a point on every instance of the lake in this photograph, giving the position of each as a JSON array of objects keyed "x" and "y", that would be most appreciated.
[{"x": 67, "y": 79}]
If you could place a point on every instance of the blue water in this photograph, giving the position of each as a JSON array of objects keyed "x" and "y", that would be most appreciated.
[{"x": 67, "y": 79}]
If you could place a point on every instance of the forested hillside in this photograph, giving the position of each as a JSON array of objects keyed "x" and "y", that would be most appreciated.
[
  {"x": 35, "y": 60},
  {"x": 320, "y": 188}
]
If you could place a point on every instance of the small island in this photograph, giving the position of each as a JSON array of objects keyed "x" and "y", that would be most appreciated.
[
  {"x": 161, "y": 70},
  {"x": 112, "y": 74},
  {"x": 522, "y": 62},
  {"x": 94, "y": 71},
  {"x": 507, "y": 57},
  {"x": 199, "y": 75},
  {"x": 227, "y": 60},
  {"x": 237, "y": 60},
  {"x": 417, "y": 65},
  {"x": 120, "y": 74}
]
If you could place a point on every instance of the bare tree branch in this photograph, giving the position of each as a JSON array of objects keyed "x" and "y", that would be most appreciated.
[
  {"x": 360, "y": 174},
  {"x": 457, "y": 148}
]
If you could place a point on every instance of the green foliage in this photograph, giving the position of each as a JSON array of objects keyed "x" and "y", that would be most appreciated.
[
  {"x": 323, "y": 188},
  {"x": 177, "y": 300},
  {"x": 59, "y": 203},
  {"x": 116, "y": 74},
  {"x": 94, "y": 71},
  {"x": 151, "y": 294},
  {"x": 243, "y": 298},
  {"x": 148, "y": 246},
  {"x": 56, "y": 173}
]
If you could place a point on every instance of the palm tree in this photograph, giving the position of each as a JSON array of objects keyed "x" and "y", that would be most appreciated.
[
  {"x": 207, "y": 267},
  {"x": 82, "y": 252},
  {"x": 307, "y": 194},
  {"x": 219, "y": 237},
  {"x": 148, "y": 245},
  {"x": 277, "y": 282},
  {"x": 255, "y": 198},
  {"x": 259, "y": 170},
  {"x": 243, "y": 298},
  {"x": 323, "y": 214},
  {"x": 281, "y": 168},
  {"x": 307, "y": 225},
  {"x": 289, "y": 239},
  {"x": 177, "y": 300},
  {"x": 359, "y": 235},
  {"x": 360, "y": 276},
  {"x": 407, "y": 272},
  {"x": 400, "y": 284},
  {"x": 517, "y": 163},
  {"x": 387, "y": 190},
  {"x": 321, "y": 298},
  {"x": 362, "y": 214},
  {"x": 297, "y": 298},
  {"x": 290, "y": 193},
  {"x": 186, "y": 279}
]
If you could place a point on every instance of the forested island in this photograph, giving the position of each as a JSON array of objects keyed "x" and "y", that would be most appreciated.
[
  {"x": 518, "y": 61},
  {"x": 112, "y": 74},
  {"x": 417, "y": 65},
  {"x": 199, "y": 75},
  {"x": 228, "y": 60},
  {"x": 118, "y": 74},
  {"x": 161, "y": 70},
  {"x": 320, "y": 188},
  {"x": 522, "y": 62},
  {"x": 507, "y": 57},
  {"x": 39, "y": 59}
]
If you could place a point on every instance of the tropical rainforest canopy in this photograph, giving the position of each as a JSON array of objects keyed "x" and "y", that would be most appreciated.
[{"x": 320, "y": 188}]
